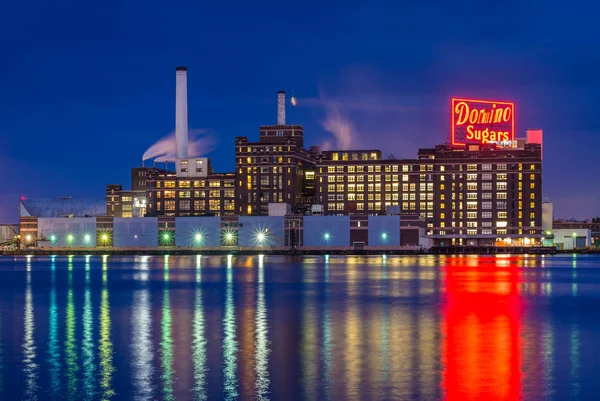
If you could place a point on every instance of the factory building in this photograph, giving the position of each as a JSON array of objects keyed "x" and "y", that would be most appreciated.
[
  {"x": 318, "y": 233},
  {"x": 276, "y": 169}
]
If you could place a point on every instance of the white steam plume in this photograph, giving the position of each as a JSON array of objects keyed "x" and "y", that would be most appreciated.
[
  {"x": 200, "y": 143},
  {"x": 338, "y": 124}
]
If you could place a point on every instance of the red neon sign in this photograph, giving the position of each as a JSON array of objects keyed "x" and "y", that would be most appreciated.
[{"x": 482, "y": 122}]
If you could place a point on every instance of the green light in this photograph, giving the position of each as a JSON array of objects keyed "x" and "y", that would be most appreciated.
[
  {"x": 87, "y": 238},
  {"x": 166, "y": 236},
  {"x": 384, "y": 236},
  {"x": 229, "y": 236},
  {"x": 198, "y": 237},
  {"x": 70, "y": 237},
  {"x": 52, "y": 238},
  {"x": 326, "y": 236}
]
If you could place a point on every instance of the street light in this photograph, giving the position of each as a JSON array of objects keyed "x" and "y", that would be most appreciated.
[
  {"x": 28, "y": 238},
  {"x": 52, "y": 238},
  {"x": 260, "y": 237},
  {"x": 326, "y": 236},
  {"x": 70, "y": 238},
  {"x": 384, "y": 236},
  {"x": 87, "y": 238},
  {"x": 198, "y": 237}
]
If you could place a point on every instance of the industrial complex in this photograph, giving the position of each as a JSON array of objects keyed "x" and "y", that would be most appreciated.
[{"x": 482, "y": 188}]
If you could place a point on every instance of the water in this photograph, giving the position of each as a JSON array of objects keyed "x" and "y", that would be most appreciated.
[{"x": 330, "y": 328}]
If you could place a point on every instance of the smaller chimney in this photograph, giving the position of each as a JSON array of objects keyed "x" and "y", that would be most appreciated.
[{"x": 281, "y": 108}]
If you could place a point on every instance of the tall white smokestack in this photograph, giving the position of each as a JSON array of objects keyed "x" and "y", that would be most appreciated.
[
  {"x": 281, "y": 108},
  {"x": 181, "y": 113}
]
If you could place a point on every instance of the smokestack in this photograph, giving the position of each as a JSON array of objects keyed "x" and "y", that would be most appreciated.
[
  {"x": 181, "y": 112},
  {"x": 281, "y": 108}
]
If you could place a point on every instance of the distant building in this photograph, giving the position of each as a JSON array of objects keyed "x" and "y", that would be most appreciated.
[
  {"x": 192, "y": 192},
  {"x": 476, "y": 196},
  {"x": 133, "y": 202},
  {"x": 277, "y": 168}
]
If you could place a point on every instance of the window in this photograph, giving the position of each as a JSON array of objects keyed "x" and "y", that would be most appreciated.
[
  {"x": 486, "y": 167},
  {"x": 471, "y": 224},
  {"x": 339, "y": 178},
  {"x": 214, "y": 204},
  {"x": 339, "y": 169},
  {"x": 351, "y": 169},
  {"x": 486, "y": 186},
  {"x": 486, "y": 231},
  {"x": 501, "y": 224},
  {"x": 331, "y": 188},
  {"x": 471, "y": 186},
  {"x": 502, "y": 215},
  {"x": 501, "y": 177},
  {"x": 471, "y": 177},
  {"x": 501, "y": 205},
  {"x": 170, "y": 205},
  {"x": 472, "y": 205},
  {"x": 472, "y": 195},
  {"x": 532, "y": 185},
  {"x": 199, "y": 205},
  {"x": 486, "y": 176},
  {"x": 331, "y": 169},
  {"x": 331, "y": 178},
  {"x": 184, "y": 204},
  {"x": 169, "y": 184},
  {"x": 532, "y": 167},
  {"x": 471, "y": 167},
  {"x": 531, "y": 177},
  {"x": 185, "y": 184},
  {"x": 486, "y": 215},
  {"x": 485, "y": 205},
  {"x": 340, "y": 188},
  {"x": 501, "y": 195},
  {"x": 169, "y": 194},
  {"x": 471, "y": 215},
  {"x": 501, "y": 186},
  {"x": 184, "y": 194},
  {"x": 532, "y": 215},
  {"x": 501, "y": 166}
]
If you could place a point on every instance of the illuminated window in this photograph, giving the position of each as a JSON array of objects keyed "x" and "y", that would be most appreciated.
[
  {"x": 360, "y": 169},
  {"x": 471, "y": 215},
  {"x": 169, "y": 184},
  {"x": 185, "y": 184},
  {"x": 169, "y": 194},
  {"x": 532, "y": 167},
  {"x": 502, "y": 215},
  {"x": 501, "y": 195},
  {"x": 501, "y": 186},
  {"x": 531, "y": 177},
  {"x": 413, "y": 187},
  {"x": 520, "y": 167},
  {"x": 442, "y": 187},
  {"x": 501, "y": 205},
  {"x": 501, "y": 224},
  {"x": 501, "y": 177},
  {"x": 334, "y": 156},
  {"x": 471, "y": 177},
  {"x": 170, "y": 205},
  {"x": 339, "y": 178},
  {"x": 370, "y": 169},
  {"x": 340, "y": 188},
  {"x": 471, "y": 167},
  {"x": 472, "y": 205},
  {"x": 360, "y": 206},
  {"x": 331, "y": 188},
  {"x": 532, "y": 185},
  {"x": 532, "y": 215},
  {"x": 184, "y": 194},
  {"x": 471, "y": 186}
]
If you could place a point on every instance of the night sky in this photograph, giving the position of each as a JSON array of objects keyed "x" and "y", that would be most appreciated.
[{"x": 85, "y": 90}]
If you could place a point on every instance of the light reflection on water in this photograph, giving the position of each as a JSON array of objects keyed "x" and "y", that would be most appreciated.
[{"x": 323, "y": 327}]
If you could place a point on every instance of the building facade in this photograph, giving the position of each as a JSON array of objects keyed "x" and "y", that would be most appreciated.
[{"x": 478, "y": 195}]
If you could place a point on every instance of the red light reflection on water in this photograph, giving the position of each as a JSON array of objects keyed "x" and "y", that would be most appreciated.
[{"x": 481, "y": 329}]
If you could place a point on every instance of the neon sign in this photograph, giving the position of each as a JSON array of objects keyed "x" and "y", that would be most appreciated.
[{"x": 482, "y": 122}]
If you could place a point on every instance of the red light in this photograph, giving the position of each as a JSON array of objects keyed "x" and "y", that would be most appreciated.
[
  {"x": 23, "y": 197},
  {"x": 482, "y": 121}
]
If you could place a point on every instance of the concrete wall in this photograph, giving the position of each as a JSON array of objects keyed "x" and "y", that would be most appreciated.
[
  {"x": 384, "y": 231},
  {"x": 209, "y": 229},
  {"x": 74, "y": 232},
  {"x": 249, "y": 228},
  {"x": 323, "y": 231},
  {"x": 137, "y": 232}
]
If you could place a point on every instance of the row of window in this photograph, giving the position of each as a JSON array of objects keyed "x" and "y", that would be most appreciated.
[
  {"x": 196, "y": 184},
  {"x": 422, "y": 167},
  {"x": 213, "y": 205},
  {"x": 214, "y": 193}
]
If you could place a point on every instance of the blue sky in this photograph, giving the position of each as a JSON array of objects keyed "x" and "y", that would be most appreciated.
[{"x": 86, "y": 88}]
